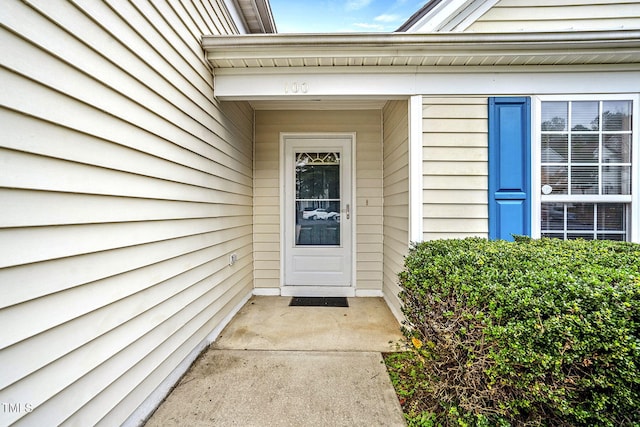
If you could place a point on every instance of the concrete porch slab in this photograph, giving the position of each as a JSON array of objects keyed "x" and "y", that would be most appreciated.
[
  {"x": 283, "y": 388},
  {"x": 276, "y": 365},
  {"x": 268, "y": 323}
]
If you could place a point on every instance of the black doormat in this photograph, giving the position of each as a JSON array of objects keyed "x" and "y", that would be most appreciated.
[{"x": 319, "y": 302}]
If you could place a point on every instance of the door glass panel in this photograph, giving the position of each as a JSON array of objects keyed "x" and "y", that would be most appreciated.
[{"x": 317, "y": 199}]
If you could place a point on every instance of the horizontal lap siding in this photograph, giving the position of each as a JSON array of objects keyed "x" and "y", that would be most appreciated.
[
  {"x": 366, "y": 124},
  {"x": 124, "y": 187},
  {"x": 396, "y": 196},
  {"x": 563, "y": 15},
  {"x": 455, "y": 167}
]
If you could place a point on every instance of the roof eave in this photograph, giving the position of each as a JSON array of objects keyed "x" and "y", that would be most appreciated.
[
  {"x": 258, "y": 11},
  {"x": 266, "y": 16},
  {"x": 305, "y": 47},
  {"x": 446, "y": 16},
  {"x": 417, "y": 16}
]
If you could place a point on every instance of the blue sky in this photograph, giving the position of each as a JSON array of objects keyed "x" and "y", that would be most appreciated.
[{"x": 336, "y": 16}]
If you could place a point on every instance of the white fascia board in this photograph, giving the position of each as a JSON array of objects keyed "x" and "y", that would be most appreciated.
[
  {"x": 452, "y": 16},
  {"x": 238, "y": 19},
  {"x": 309, "y": 86},
  {"x": 259, "y": 8},
  {"x": 469, "y": 16},
  {"x": 303, "y": 85},
  {"x": 440, "y": 16},
  {"x": 291, "y": 50},
  {"x": 266, "y": 16}
]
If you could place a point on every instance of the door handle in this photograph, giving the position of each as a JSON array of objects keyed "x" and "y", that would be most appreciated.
[{"x": 347, "y": 210}]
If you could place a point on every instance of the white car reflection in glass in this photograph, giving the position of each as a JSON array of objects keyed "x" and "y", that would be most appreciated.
[{"x": 320, "y": 213}]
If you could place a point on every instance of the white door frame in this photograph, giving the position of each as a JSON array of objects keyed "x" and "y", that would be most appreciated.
[{"x": 323, "y": 290}]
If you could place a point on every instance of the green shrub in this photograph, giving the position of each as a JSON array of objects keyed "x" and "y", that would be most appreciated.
[{"x": 532, "y": 332}]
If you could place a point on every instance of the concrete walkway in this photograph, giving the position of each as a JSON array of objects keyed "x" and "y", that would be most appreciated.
[{"x": 276, "y": 365}]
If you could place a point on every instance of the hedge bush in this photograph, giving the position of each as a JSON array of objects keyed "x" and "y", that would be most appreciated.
[{"x": 531, "y": 332}]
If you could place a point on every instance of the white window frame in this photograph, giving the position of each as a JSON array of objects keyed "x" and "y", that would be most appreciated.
[{"x": 536, "y": 138}]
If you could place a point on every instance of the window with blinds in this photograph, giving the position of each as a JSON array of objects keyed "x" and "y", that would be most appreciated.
[{"x": 586, "y": 169}]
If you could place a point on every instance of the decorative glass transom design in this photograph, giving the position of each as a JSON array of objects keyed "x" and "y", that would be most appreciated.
[{"x": 303, "y": 159}]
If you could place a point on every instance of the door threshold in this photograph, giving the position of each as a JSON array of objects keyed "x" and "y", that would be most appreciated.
[{"x": 317, "y": 291}]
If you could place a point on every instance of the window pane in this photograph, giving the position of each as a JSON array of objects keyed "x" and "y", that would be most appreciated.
[
  {"x": 617, "y": 236},
  {"x": 552, "y": 216},
  {"x": 555, "y": 177},
  {"x": 616, "y": 115},
  {"x": 554, "y": 116},
  {"x": 584, "y": 180},
  {"x": 584, "y": 115},
  {"x": 616, "y": 180},
  {"x": 318, "y": 182},
  {"x": 555, "y": 148},
  {"x": 580, "y": 216},
  {"x": 617, "y": 149},
  {"x": 584, "y": 148},
  {"x": 584, "y": 220},
  {"x": 611, "y": 217},
  {"x": 553, "y": 235},
  {"x": 317, "y": 223},
  {"x": 583, "y": 236}
]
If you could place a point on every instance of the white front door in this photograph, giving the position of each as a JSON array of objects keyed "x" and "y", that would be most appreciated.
[{"x": 318, "y": 215}]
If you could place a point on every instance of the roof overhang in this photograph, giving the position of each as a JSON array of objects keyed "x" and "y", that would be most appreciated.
[
  {"x": 446, "y": 15},
  {"x": 235, "y": 58},
  {"x": 254, "y": 16},
  {"x": 433, "y": 49}
]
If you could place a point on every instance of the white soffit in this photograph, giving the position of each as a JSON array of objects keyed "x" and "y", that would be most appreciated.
[
  {"x": 371, "y": 52},
  {"x": 252, "y": 16},
  {"x": 358, "y": 67}
]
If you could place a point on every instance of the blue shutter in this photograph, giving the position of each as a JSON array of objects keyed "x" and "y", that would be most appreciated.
[{"x": 509, "y": 167}]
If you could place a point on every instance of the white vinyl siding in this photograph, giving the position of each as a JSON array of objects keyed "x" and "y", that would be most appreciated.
[
  {"x": 396, "y": 196},
  {"x": 563, "y": 15},
  {"x": 367, "y": 125},
  {"x": 124, "y": 187},
  {"x": 455, "y": 167}
]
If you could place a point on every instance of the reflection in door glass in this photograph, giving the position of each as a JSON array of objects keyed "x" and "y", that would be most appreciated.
[{"x": 317, "y": 199}]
